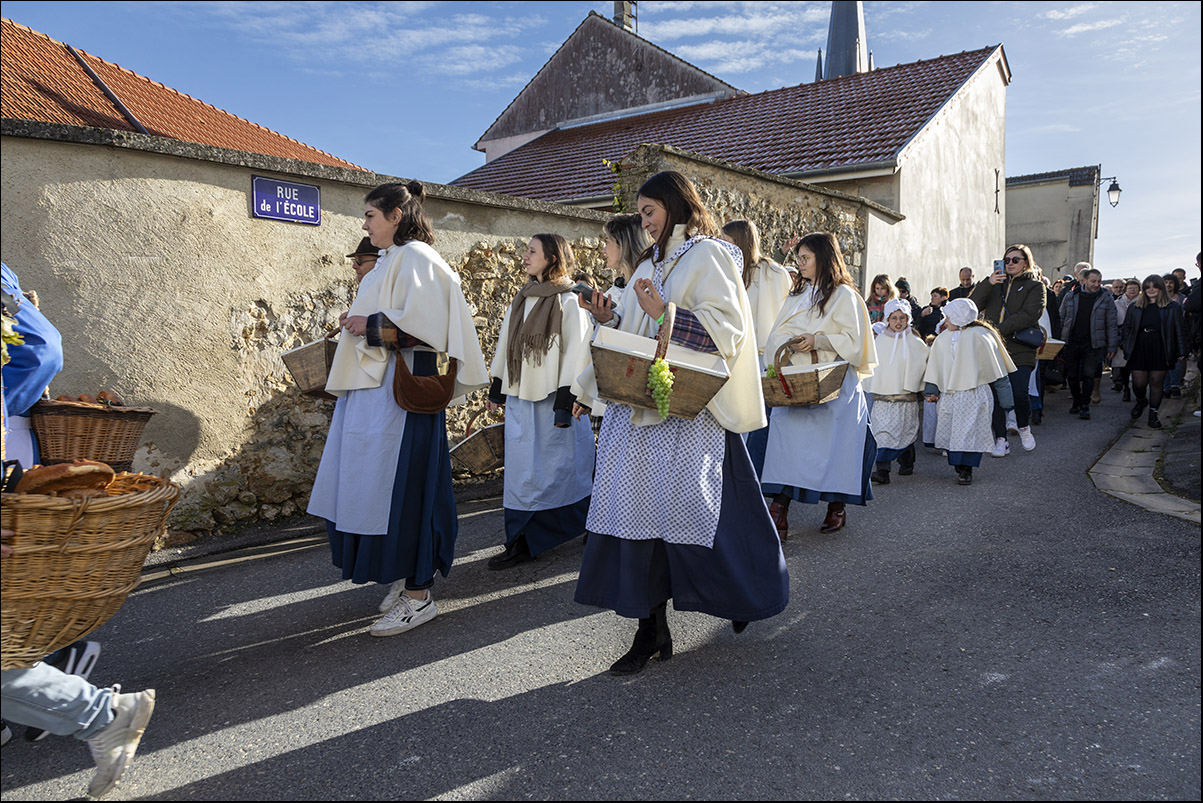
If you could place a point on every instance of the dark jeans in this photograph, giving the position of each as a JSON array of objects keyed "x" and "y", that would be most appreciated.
[
  {"x": 1023, "y": 408},
  {"x": 1081, "y": 368}
]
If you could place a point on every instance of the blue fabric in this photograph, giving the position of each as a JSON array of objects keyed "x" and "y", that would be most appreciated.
[
  {"x": 743, "y": 577},
  {"x": 45, "y": 697},
  {"x": 1037, "y": 402},
  {"x": 814, "y": 497},
  {"x": 972, "y": 459},
  {"x": 757, "y": 444},
  {"x": 886, "y": 455},
  {"x": 422, "y": 519},
  {"x": 33, "y": 363},
  {"x": 546, "y": 529}
]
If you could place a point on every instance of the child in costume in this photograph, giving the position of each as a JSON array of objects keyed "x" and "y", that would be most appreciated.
[
  {"x": 966, "y": 360},
  {"x": 895, "y": 387}
]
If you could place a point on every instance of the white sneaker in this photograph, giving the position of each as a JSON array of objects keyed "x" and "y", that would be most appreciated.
[
  {"x": 1001, "y": 448},
  {"x": 1012, "y": 423},
  {"x": 1027, "y": 438},
  {"x": 114, "y": 747},
  {"x": 405, "y": 615},
  {"x": 394, "y": 594}
]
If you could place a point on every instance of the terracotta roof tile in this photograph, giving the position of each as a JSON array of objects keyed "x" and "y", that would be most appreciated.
[
  {"x": 42, "y": 81},
  {"x": 840, "y": 123}
]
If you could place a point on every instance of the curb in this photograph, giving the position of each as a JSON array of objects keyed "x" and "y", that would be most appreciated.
[{"x": 1125, "y": 471}]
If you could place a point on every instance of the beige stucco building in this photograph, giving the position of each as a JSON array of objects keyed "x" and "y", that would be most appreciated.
[{"x": 1057, "y": 215}]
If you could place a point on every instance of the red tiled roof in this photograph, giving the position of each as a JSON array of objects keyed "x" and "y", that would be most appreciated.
[
  {"x": 40, "y": 80},
  {"x": 840, "y": 123}
]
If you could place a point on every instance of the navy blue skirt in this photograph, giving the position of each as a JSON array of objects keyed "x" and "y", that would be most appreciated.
[
  {"x": 971, "y": 459},
  {"x": 743, "y": 577},
  {"x": 422, "y": 522},
  {"x": 546, "y": 529},
  {"x": 814, "y": 497}
]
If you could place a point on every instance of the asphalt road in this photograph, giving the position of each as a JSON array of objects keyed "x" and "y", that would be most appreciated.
[{"x": 1024, "y": 637}]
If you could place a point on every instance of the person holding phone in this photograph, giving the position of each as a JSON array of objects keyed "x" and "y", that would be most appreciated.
[
  {"x": 1013, "y": 300},
  {"x": 543, "y": 346}
]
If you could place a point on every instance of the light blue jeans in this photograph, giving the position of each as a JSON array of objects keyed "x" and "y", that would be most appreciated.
[{"x": 45, "y": 697}]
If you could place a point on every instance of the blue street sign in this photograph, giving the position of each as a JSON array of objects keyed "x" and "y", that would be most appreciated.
[{"x": 286, "y": 200}]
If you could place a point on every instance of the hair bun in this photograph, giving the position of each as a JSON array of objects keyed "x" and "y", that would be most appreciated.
[{"x": 416, "y": 190}]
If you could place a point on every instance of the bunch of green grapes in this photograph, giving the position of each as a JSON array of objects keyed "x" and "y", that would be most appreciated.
[
  {"x": 660, "y": 383},
  {"x": 771, "y": 372}
]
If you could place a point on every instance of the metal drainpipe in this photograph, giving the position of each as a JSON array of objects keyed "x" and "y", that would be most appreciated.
[{"x": 96, "y": 79}]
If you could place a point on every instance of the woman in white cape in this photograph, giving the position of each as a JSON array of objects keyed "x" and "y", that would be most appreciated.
[
  {"x": 542, "y": 348},
  {"x": 676, "y": 511},
  {"x": 822, "y": 453},
  {"x": 384, "y": 482}
]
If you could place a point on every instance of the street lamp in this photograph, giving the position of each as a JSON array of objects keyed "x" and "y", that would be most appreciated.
[{"x": 1113, "y": 191}]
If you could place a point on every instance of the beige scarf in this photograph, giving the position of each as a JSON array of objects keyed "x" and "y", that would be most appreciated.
[{"x": 533, "y": 336}]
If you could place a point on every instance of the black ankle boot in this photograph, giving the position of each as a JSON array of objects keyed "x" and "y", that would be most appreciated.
[
  {"x": 1154, "y": 421},
  {"x": 516, "y": 553},
  {"x": 964, "y": 475},
  {"x": 1139, "y": 407},
  {"x": 651, "y": 638},
  {"x": 881, "y": 475}
]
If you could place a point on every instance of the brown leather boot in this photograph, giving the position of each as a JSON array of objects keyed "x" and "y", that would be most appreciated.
[
  {"x": 778, "y": 513},
  {"x": 835, "y": 518}
]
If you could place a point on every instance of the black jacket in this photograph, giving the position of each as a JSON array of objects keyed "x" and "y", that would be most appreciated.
[{"x": 1173, "y": 332}]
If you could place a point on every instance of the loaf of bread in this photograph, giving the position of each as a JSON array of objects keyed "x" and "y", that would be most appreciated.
[{"x": 79, "y": 479}]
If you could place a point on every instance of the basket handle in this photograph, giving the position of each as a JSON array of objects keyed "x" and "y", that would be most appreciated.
[
  {"x": 666, "y": 330},
  {"x": 781, "y": 351},
  {"x": 472, "y": 420},
  {"x": 330, "y": 335}
]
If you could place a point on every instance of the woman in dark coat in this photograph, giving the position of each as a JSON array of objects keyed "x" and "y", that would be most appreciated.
[
  {"x": 1153, "y": 338},
  {"x": 1013, "y": 300}
]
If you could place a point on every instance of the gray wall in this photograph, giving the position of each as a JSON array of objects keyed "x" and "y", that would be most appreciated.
[{"x": 1058, "y": 222}]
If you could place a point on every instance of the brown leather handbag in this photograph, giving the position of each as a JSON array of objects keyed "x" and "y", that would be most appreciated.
[
  {"x": 414, "y": 394},
  {"x": 423, "y": 394}
]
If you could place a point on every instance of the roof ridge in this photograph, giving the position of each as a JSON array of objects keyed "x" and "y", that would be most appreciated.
[
  {"x": 565, "y": 42},
  {"x": 153, "y": 82}
]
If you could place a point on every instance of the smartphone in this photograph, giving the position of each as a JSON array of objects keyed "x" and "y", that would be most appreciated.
[
  {"x": 999, "y": 266},
  {"x": 584, "y": 291}
]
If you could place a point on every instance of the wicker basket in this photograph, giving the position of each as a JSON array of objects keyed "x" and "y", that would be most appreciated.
[
  {"x": 80, "y": 431},
  {"x": 621, "y": 361},
  {"x": 75, "y": 561},
  {"x": 803, "y": 386},
  {"x": 1050, "y": 349},
  {"x": 481, "y": 451},
  {"x": 310, "y": 365}
]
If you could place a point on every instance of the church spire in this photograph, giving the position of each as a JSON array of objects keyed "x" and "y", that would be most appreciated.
[
  {"x": 847, "y": 45},
  {"x": 819, "y": 67}
]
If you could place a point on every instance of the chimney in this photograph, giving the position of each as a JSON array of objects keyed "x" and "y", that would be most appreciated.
[{"x": 626, "y": 15}]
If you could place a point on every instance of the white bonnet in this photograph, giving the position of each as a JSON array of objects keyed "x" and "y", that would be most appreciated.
[
  {"x": 896, "y": 305},
  {"x": 960, "y": 312}
]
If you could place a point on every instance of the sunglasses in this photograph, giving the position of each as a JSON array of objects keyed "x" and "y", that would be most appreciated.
[{"x": 1013, "y": 260}]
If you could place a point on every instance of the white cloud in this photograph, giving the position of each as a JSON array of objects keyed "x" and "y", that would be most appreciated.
[
  {"x": 1068, "y": 13},
  {"x": 1086, "y": 27},
  {"x": 1055, "y": 128}
]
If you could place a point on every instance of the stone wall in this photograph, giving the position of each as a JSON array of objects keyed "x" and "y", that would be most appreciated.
[
  {"x": 166, "y": 289},
  {"x": 782, "y": 209}
]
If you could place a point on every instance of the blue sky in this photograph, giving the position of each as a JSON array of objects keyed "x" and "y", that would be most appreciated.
[{"x": 406, "y": 88}]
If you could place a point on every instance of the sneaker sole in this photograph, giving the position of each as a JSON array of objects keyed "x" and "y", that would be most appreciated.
[
  {"x": 141, "y": 720},
  {"x": 396, "y": 631}
]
